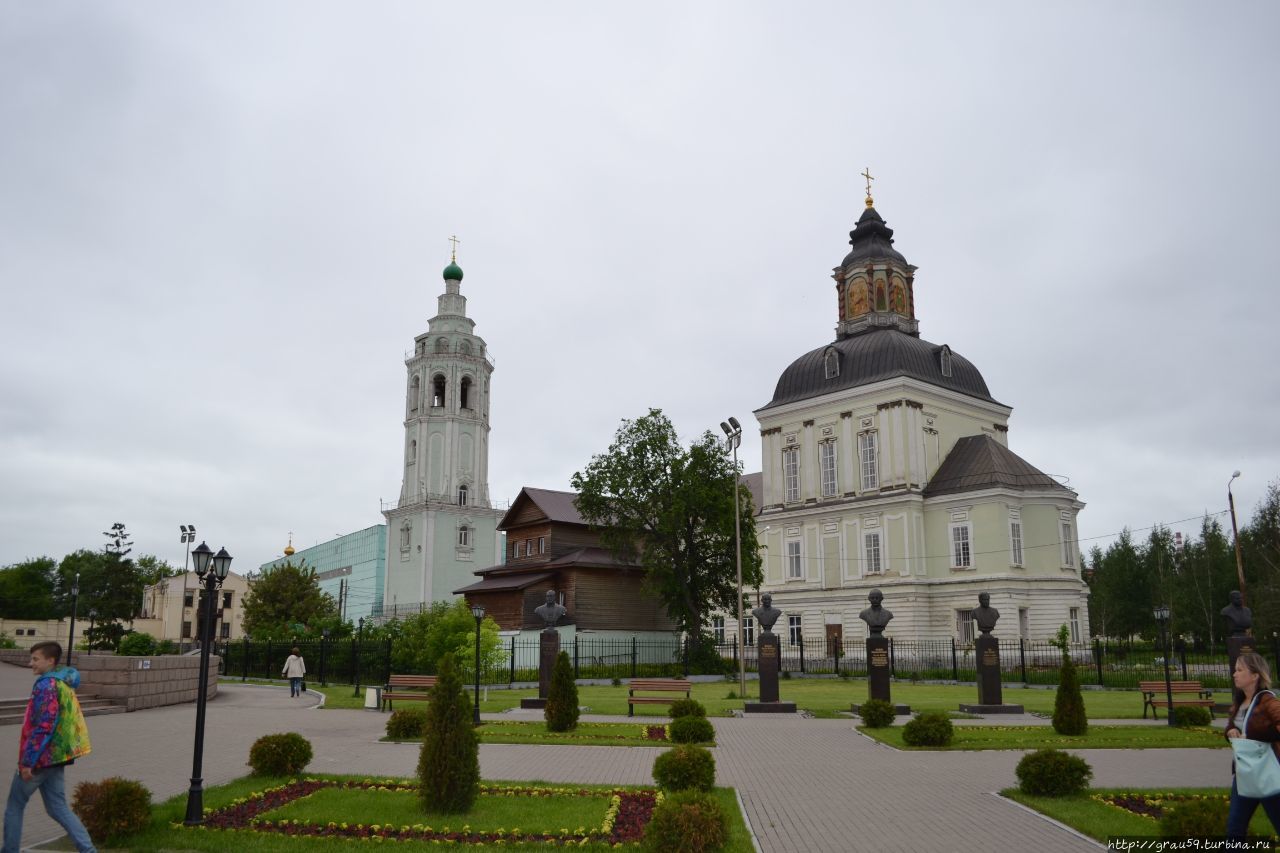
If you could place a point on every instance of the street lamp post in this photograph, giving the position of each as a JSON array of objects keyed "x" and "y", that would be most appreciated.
[
  {"x": 733, "y": 433},
  {"x": 188, "y": 536},
  {"x": 1161, "y": 612},
  {"x": 93, "y": 618},
  {"x": 212, "y": 577},
  {"x": 75, "y": 601},
  {"x": 1235, "y": 534},
  {"x": 477, "y": 610},
  {"x": 355, "y": 656}
]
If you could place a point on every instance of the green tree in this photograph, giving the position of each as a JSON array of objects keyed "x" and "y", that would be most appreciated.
[
  {"x": 1260, "y": 550},
  {"x": 671, "y": 511},
  {"x": 1206, "y": 574},
  {"x": 449, "y": 761},
  {"x": 27, "y": 590},
  {"x": 1069, "y": 716},
  {"x": 561, "y": 711},
  {"x": 153, "y": 569},
  {"x": 282, "y": 597}
]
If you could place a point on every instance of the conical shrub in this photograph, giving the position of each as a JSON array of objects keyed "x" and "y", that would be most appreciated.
[
  {"x": 562, "y": 697},
  {"x": 449, "y": 762},
  {"x": 1069, "y": 717}
]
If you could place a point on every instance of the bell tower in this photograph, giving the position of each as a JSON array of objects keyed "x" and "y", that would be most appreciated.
[
  {"x": 444, "y": 523},
  {"x": 875, "y": 286}
]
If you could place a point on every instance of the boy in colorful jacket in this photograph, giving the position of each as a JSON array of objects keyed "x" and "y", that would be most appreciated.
[{"x": 53, "y": 736}]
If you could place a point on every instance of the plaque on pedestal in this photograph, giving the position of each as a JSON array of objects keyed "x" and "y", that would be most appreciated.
[
  {"x": 768, "y": 652},
  {"x": 878, "y": 668},
  {"x": 548, "y": 651},
  {"x": 987, "y": 649}
]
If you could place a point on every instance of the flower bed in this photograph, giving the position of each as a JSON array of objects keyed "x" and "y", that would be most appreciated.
[
  {"x": 1151, "y": 804},
  {"x": 625, "y": 818}
]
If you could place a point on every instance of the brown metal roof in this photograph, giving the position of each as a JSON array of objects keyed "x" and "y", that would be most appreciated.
[
  {"x": 556, "y": 506},
  {"x": 497, "y": 583},
  {"x": 981, "y": 462}
]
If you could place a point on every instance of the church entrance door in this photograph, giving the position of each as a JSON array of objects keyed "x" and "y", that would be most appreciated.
[{"x": 835, "y": 640}]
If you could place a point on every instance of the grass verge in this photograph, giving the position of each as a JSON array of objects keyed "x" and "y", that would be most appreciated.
[
  {"x": 1044, "y": 737},
  {"x": 586, "y": 734}
]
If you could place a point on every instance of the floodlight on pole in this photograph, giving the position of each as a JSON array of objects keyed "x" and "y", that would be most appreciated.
[
  {"x": 1235, "y": 534},
  {"x": 733, "y": 437}
]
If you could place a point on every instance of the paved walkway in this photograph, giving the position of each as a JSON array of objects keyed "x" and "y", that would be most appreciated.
[{"x": 806, "y": 784}]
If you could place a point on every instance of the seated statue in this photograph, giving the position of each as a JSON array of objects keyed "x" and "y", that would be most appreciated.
[
  {"x": 1239, "y": 617},
  {"x": 766, "y": 614},
  {"x": 875, "y": 616},
  {"x": 551, "y": 611},
  {"x": 984, "y": 615}
]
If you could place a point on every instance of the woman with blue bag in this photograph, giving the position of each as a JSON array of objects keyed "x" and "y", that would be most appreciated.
[{"x": 1253, "y": 730}]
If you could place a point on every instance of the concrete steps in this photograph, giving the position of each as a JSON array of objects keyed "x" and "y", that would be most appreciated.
[{"x": 12, "y": 711}]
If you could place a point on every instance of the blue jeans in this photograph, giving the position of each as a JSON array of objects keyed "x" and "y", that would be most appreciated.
[
  {"x": 1242, "y": 809},
  {"x": 295, "y": 686},
  {"x": 49, "y": 781}
]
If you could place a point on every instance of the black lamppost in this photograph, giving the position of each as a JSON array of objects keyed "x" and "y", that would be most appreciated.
[
  {"x": 355, "y": 655},
  {"x": 93, "y": 618},
  {"x": 1235, "y": 534},
  {"x": 212, "y": 578},
  {"x": 75, "y": 600},
  {"x": 1161, "y": 612},
  {"x": 733, "y": 432},
  {"x": 477, "y": 610}
]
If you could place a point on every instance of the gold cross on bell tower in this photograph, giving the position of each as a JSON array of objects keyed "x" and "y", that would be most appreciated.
[
  {"x": 455, "y": 241},
  {"x": 866, "y": 173}
]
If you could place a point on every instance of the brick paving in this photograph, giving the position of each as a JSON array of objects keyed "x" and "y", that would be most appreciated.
[{"x": 806, "y": 784}]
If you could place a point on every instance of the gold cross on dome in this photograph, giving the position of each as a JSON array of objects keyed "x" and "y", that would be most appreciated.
[
  {"x": 866, "y": 173},
  {"x": 455, "y": 241}
]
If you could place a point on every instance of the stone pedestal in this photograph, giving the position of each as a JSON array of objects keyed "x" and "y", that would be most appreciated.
[
  {"x": 548, "y": 651},
  {"x": 768, "y": 657},
  {"x": 878, "y": 668},
  {"x": 990, "y": 699},
  {"x": 1237, "y": 646}
]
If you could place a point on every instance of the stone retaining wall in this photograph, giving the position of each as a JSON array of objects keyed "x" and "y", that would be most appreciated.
[{"x": 136, "y": 682}]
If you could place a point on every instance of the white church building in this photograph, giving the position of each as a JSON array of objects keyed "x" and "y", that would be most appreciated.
[
  {"x": 443, "y": 526},
  {"x": 886, "y": 464}
]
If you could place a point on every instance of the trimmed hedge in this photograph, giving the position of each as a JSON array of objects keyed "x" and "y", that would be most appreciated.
[
  {"x": 932, "y": 728},
  {"x": 691, "y": 730},
  {"x": 1053, "y": 773},
  {"x": 280, "y": 755},
  {"x": 686, "y": 822},
  {"x": 113, "y": 808},
  {"x": 877, "y": 713},
  {"x": 685, "y": 767}
]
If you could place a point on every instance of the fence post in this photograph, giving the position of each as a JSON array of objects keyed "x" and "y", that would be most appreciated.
[
  {"x": 244, "y": 670},
  {"x": 802, "y": 654},
  {"x": 835, "y": 650},
  {"x": 512, "y": 679},
  {"x": 324, "y": 657},
  {"x": 893, "y": 669},
  {"x": 633, "y": 655},
  {"x": 575, "y": 656},
  {"x": 685, "y": 652},
  {"x": 1022, "y": 657},
  {"x": 1182, "y": 653},
  {"x": 266, "y": 664},
  {"x": 955, "y": 664},
  {"x": 1097, "y": 658},
  {"x": 735, "y": 651}
]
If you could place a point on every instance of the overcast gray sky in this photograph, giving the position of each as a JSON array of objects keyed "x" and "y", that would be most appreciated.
[{"x": 221, "y": 226}]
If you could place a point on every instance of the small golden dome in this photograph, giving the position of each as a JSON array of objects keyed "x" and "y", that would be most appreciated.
[{"x": 288, "y": 549}]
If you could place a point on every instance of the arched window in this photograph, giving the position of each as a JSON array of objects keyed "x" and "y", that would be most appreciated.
[
  {"x": 464, "y": 536},
  {"x": 414, "y": 389},
  {"x": 945, "y": 358},
  {"x": 413, "y": 451},
  {"x": 464, "y": 391},
  {"x": 831, "y": 363},
  {"x": 442, "y": 344},
  {"x": 463, "y": 495},
  {"x": 464, "y": 347},
  {"x": 437, "y": 390}
]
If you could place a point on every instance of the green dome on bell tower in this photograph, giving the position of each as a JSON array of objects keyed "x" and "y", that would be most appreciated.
[{"x": 453, "y": 272}]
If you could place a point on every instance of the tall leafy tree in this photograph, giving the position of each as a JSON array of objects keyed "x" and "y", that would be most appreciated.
[
  {"x": 670, "y": 509},
  {"x": 26, "y": 590},
  {"x": 153, "y": 569},
  {"x": 284, "y": 597}
]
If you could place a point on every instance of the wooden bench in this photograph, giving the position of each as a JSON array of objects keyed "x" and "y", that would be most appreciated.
[
  {"x": 655, "y": 685},
  {"x": 407, "y": 687},
  {"x": 1154, "y": 695}
]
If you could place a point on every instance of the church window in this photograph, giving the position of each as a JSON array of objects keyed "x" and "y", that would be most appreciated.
[
  {"x": 717, "y": 630},
  {"x": 827, "y": 461},
  {"x": 795, "y": 562},
  {"x": 869, "y": 463},
  {"x": 442, "y": 344},
  {"x": 944, "y": 356},
  {"x": 464, "y": 347},
  {"x": 406, "y": 530},
  {"x": 464, "y": 536},
  {"x": 1015, "y": 542},
  {"x": 413, "y": 451},
  {"x": 831, "y": 363},
  {"x": 791, "y": 475},
  {"x": 1074, "y": 622},
  {"x": 882, "y": 304},
  {"x": 414, "y": 391},
  {"x": 872, "y": 564},
  {"x": 1068, "y": 546},
  {"x": 437, "y": 390},
  {"x": 795, "y": 630},
  {"x": 463, "y": 494},
  {"x": 748, "y": 630},
  {"x": 464, "y": 390},
  {"x": 961, "y": 555},
  {"x": 964, "y": 626}
]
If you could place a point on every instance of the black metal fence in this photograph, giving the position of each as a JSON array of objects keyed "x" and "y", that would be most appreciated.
[{"x": 1100, "y": 663}]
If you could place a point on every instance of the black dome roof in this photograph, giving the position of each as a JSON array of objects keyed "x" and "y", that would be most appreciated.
[
  {"x": 871, "y": 238},
  {"x": 872, "y": 357}
]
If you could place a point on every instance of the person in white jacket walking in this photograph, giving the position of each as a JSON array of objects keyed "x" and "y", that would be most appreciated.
[{"x": 294, "y": 669}]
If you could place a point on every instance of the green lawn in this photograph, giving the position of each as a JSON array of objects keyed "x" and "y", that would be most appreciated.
[
  {"x": 822, "y": 697},
  {"x": 1044, "y": 737},
  {"x": 565, "y": 807},
  {"x": 1097, "y": 819},
  {"x": 585, "y": 734}
]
